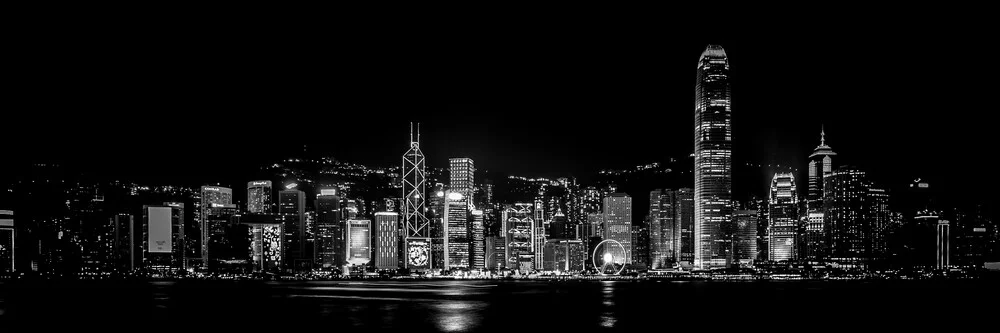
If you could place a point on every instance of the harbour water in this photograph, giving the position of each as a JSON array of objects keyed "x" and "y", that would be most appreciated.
[{"x": 511, "y": 306}]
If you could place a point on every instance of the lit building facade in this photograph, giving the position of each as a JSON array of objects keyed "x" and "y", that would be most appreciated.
[
  {"x": 478, "y": 238},
  {"x": 820, "y": 165},
  {"x": 331, "y": 243},
  {"x": 416, "y": 226},
  {"x": 259, "y": 197},
  {"x": 783, "y": 217},
  {"x": 813, "y": 238},
  {"x": 359, "y": 242},
  {"x": 564, "y": 255},
  {"x": 456, "y": 239},
  {"x": 386, "y": 249},
  {"x": 618, "y": 221},
  {"x": 942, "y": 254},
  {"x": 713, "y": 160},
  {"x": 291, "y": 211},
  {"x": 746, "y": 236},
  {"x": 518, "y": 227},
  {"x": 163, "y": 238},
  {"x": 212, "y": 198},
  {"x": 6, "y": 241},
  {"x": 461, "y": 173},
  {"x": 854, "y": 218},
  {"x": 266, "y": 234},
  {"x": 665, "y": 228}
]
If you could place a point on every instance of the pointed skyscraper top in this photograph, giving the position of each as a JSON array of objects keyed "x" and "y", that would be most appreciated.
[
  {"x": 822, "y": 135},
  {"x": 822, "y": 149}
]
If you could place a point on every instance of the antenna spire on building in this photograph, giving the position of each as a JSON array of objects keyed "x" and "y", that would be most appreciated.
[{"x": 822, "y": 135}]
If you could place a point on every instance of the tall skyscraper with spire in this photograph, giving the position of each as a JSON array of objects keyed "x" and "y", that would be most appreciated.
[
  {"x": 713, "y": 161},
  {"x": 820, "y": 165},
  {"x": 417, "y": 231}
]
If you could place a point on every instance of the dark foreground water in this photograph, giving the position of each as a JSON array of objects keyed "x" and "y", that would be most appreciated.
[{"x": 517, "y": 306}]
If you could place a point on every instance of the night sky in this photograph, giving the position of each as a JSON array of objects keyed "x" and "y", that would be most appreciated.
[{"x": 898, "y": 98}]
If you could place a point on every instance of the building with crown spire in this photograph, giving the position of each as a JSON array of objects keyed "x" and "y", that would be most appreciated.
[{"x": 820, "y": 165}]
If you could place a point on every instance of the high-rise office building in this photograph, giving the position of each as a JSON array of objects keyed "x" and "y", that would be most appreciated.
[
  {"x": 564, "y": 255},
  {"x": 163, "y": 237},
  {"x": 477, "y": 252},
  {"x": 259, "y": 197},
  {"x": 518, "y": 227},
  {"x": 6, "y": 241},
  {"x": 813, "y": 239},
  {"x": 124, "y": 243},
  {"x": 224, "y": 240},
  {"x": 783, "y": 222},
  {"x": 640, "y": 245},
  {"x": 664, "y": 229},
  {"x": 359, "y": 242},
  {"x": 456, "y": 240},
  {"x": 713, "y": 160},
  {"x": 495, "y": 252},
  {"x": 685, "y": 216},
  {"x": 437, "y": 226},
  {"x": 291, "y": 211},
  {"x": 618, "y": 221},
  {"x": 386, "y": 247},
  {"x": 853, "y": 218},
  {"x": 820, "y": 165},
  {"x": 416, "y": 226},
  {"x": 330, "y": 245},
  {"x": 265, "y": 232},
  {"x": 538, "y": 243},
  {"x": 745, "y": 248},
  {"x": 213, "y": 199},
  {"x": 943, "y": 254},
  {"x": 461, "y": 173}
]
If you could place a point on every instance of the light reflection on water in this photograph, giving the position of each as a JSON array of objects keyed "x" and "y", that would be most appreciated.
[
  {"x": 608, "y": 315},
  {"x": 457, "y": 316}
]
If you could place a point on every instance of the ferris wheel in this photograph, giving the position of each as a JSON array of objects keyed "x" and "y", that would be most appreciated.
[{"x": 609, "y": 257}]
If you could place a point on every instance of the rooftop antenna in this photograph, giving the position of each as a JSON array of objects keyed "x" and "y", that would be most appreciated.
[{"x": 822, "y": 135}]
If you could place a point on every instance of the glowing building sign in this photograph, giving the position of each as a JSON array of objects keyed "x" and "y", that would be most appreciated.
[{"x": 418, "y": 253}]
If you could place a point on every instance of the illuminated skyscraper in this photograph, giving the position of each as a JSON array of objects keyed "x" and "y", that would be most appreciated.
[
  {"x": 814, "y": 240},
  {"x": 259, "y": 197},
  {"x": 331, "y": 243},
  {"x": 6, "y": 241},
  {"x": 664, "y": 229},
  {"x": 746, "y": 236},
  {"x": 163, "y": 237},
  {"x": 417, "y": 230},
  {"x": 386, "y": 247},
  {"x": 518, "y": 226},
  {"x": 943, "y": 254},
  {"x": 685, "y": 216},
  {"x": 618, "y": 221},
  {"x": 359, "y": 242},
  {"x": 855, "y": 217},
  {"x": 461, "y": 171},
  {"x": 478, "y": 238},
  {"x": 713, "y": 161},
  {"x": 820, "y": 165},
  {"x": 291, "y": 211},
  {"x": 783, "y": 218},
  {"x": 265, "y": 233},
  {"x": 213, "y": 200},
  {"x": 456, "y": 240}
]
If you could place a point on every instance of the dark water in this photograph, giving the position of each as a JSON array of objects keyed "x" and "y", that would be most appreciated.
[{"x": 192, "y": 306}]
